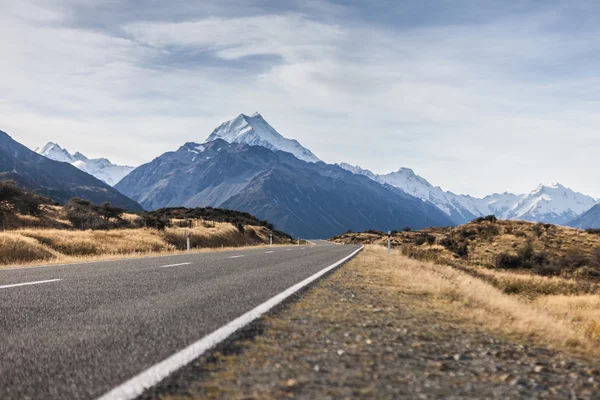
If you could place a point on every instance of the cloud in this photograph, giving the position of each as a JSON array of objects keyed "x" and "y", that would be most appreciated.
[{"x": 477, "y": 100}]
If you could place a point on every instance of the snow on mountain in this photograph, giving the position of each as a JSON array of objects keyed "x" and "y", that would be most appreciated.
[
  {"x": 552, "y": 203},
  {"x": 100, "y": 168},
  {"x": 255, "y": 131},
  {"x": 406, "y": 180},
  {"x": 357, "y": 170},
  {"x": 548, "y": 203}
]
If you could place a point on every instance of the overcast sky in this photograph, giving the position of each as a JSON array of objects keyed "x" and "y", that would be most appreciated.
[{"x": 475, "y": 96}]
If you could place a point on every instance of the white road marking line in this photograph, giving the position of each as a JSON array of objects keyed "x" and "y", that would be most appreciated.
[
  {"x": 153, "y": 375},
  {"x": 28, "y": 283},
  {"x": 235, "y": 256},
  {"x": 174, "y": 265},
  {"x": 289, "y": 249},
  {"x": 269, "y": 252}
]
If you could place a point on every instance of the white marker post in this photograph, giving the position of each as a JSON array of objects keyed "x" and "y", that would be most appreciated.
[
  {"x": 389, "y": 242},
  {"x": 271, "y": 239},
  {"x": 298, "y": 241},
  {"x": 187, "y": 237}
]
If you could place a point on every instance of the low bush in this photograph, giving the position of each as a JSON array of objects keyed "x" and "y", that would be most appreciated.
[
  {"x": 487, "y": 218},
  {"x": 425, "y": 238},
  {"x": 460, "y": 249},
  {"x": 83, "y": 215},
  {"x": 14, "y": 199}
]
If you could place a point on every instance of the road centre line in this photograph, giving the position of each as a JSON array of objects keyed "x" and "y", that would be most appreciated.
[
  {"x": 28, "y": 283},
  {"x": 174, "y": 265}
]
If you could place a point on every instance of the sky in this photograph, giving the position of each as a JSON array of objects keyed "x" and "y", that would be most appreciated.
[{"x": 475, "y": 96}]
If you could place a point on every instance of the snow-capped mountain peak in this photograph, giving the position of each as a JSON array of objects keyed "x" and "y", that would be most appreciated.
[
  {"x": 255, "y": 131},
  {"x": 55, "y": 152},
  {"x": 552, "y": 203},
  {"x": 100, "y": 168},
  {"x": 357, "y": 170}
]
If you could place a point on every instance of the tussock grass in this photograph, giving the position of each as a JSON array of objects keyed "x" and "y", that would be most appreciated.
[
  {"x": 563, "y": 322},
  {"x": 15, "y": 248},
  {"x": 31, "y": 246},
  {"x": 532, "y": 286}
]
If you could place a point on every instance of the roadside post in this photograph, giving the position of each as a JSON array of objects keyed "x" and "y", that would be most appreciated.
[
  {"x": 187, "y": 237},
  {"x": 389, "y": 242},
  {"x": 298, "y": 241},
  {"x": 271, "y": 239}
]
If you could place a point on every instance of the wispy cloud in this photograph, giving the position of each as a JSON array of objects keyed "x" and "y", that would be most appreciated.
[{"x": 477, "y": 99}]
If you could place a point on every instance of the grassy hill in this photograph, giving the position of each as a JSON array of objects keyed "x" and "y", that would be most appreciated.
[
  {"x": 541, "y": 249},
  {"x": 81, "y": 230}
]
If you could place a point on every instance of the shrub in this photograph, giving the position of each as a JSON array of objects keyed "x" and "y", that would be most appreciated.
[
  {"x": 14, "y": 199},
  {"x": 460, "y": 249},
  {"x": 538, "y": 230},
  {"x": 488, "y": 218},
  {"x": 155, "y": 221},
  {"x": 108, "y": 212},
  {"x": 84, "y": 214},
  {"x": 239, "y": 226},
  {"x": 488, "y": 231},
  {"x": 407, "y": 229},
  {"x": 425, "y": 238},
  {"x": 593, "y": 231},
  {"x": 508, "y": 261}
]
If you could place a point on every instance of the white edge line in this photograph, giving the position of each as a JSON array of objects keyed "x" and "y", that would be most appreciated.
[
  {"x": 174, "y": 265},
  {"x": 28, "y": 283},
  {"x": 135, "y": 386},
  {"x": 236, "y": 256},
  {"x": 269, "y": 252}
]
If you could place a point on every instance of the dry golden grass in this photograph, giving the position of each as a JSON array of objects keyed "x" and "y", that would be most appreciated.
[
  {"x": 15, "y": 249},
  {"x": 532, "y": 286},
  {"x": 31, "y": 246},
  {"x": 562, "y": 322}
]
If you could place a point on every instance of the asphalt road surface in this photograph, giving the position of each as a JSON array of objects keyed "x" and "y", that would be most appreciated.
[{"x": 78, "y": 331}]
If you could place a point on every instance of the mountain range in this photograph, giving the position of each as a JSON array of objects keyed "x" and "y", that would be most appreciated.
[
  {"x": 101, "y": 168},
  {"x": 552, "y": 203},
  {"x": 245, "y": 164},
  {"x": 308, "y": 199},
  {"x": 58, "y": 180}
]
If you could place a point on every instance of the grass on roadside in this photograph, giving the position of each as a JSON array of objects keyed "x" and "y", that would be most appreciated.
[
  {"x": 31, "y": 246},
  {"x": 551, "y": 320}
]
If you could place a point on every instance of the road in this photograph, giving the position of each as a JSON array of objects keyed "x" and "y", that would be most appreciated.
[{"x": 78, "y": 331}]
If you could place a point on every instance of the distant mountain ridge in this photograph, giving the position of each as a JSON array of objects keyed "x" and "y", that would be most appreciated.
[
  {"x": 58, "y": 180},
  {"x": 255, "y": 131},
  {"x": 588, "y": 220},
  {"x": 101, "y": 168},
  {"x": 312, "y": 200},
  {"x": 552, "y": 203}
]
